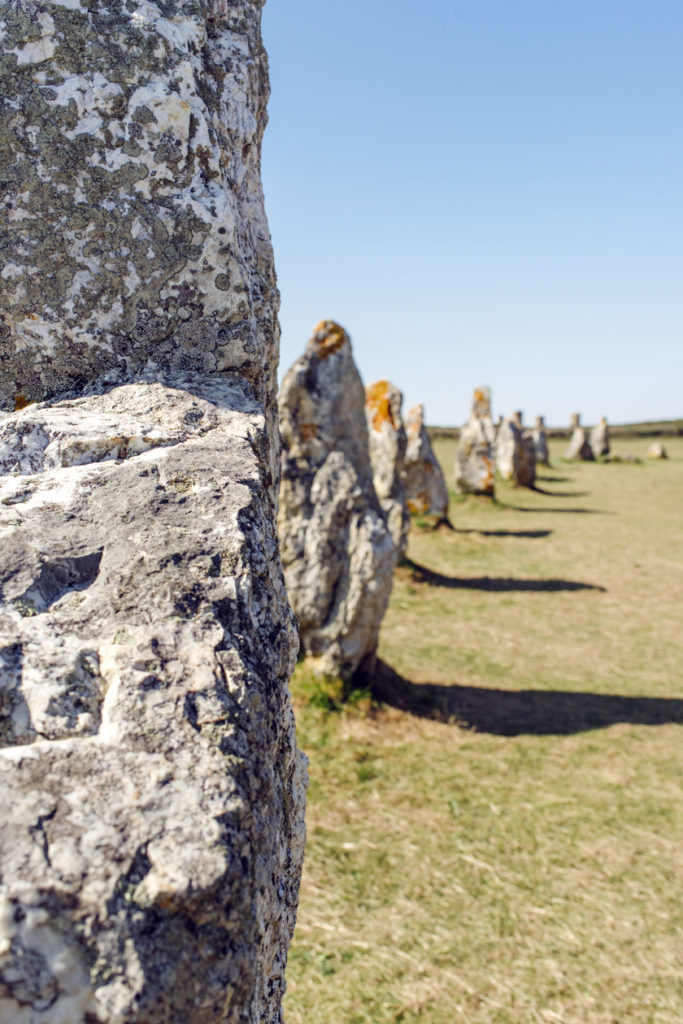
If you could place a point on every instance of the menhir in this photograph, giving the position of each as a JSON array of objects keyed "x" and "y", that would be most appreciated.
[
  {"x": 599, "y": 440},
  {"x": 387, "y": 440},
  {"x": 475, "y": 458},
  {"x": 425, "y": 484},
  {"x": 515, "y": 452},
  {"x": 540, "y": 439},
  {"x": 579, "y": 446},
  {"x": 152, "y": 840},
  {"x": 337, "y": 551}
]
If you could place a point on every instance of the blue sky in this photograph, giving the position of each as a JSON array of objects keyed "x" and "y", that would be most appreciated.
[{"x": 484, "y": 192}]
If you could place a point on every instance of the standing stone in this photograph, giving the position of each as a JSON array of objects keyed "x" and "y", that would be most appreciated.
[
  {"x": 515, "y": 452},
  {"x": 599, "y": 441},
  {"x": 337, "y": 551},
  {"x": 425, "y": 485},
  {"x": 475, "y": 461},
  {"x": 387, "y": 437},
  {"x": 657, "y": 451},
  {"x": 579, "y": 446},
  {"x": 540, "y": 440},
  {"x": 152, "y": 841}
]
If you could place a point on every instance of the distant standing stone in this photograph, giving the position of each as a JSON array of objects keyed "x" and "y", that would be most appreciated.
[
  {"x": 387, "y": 437},
  {"x": 540, "y": 440},
  {"x": 336, "y": 548},
  {"x": 474, "y": 460},
  {"x": 600, "y": 438},
  {"x": 426, "y": 491},
  {"x": 579, "y": 446},
  {"x": 515, "y": 452},
  {"x": 657, "y": 451}
]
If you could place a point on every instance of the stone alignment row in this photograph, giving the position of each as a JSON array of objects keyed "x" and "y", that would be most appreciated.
[{"x": 345, "y": 495}]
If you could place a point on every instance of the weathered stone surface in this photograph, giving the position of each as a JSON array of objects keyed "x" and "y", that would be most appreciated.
[
  {"x": 540, "y": 439},
  {"x": 337, "y": 552},
  {"x": 579, "y": 445},
  {"x": 425, "y": 485},
  {"x": 387, "y": 440},
  {"x": 599, "y": 440},
  {"x": 151, "y": 844},
  {"x": 475, "y": 459},
  {"x": 515, "y": 452},
  {"x": 130, "y": 149},
  {"x": 150, "y": 864},
  {"x": 657, "y": 451}
]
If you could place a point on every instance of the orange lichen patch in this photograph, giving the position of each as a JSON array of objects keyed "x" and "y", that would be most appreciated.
[
  {"x": 21, "y": 401},
  {"x": 418, "y": 504},
  {"x": 377, "y": 400},
  {"x": 328, "y": 337},
  {"x": 308, "y": 431}
]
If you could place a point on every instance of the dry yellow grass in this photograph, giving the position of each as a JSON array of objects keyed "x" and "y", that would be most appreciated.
[{"x": 501, "y": 840}]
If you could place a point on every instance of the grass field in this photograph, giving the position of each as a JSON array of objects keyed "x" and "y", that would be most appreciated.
[{"x": 496, "y": 834}]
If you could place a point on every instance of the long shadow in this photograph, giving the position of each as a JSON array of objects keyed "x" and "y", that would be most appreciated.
[
  {"x": 553, "y": 479},
  {"x": 561, "y": 511},
  {"x": 421, "y": 574},
  {"x": 510, "y": 713},
  {"x": 559, "y": 494},
  {"x": 531, "y": 534}
]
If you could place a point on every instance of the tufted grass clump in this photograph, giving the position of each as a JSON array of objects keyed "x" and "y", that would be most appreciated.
[{"x": 495, "y": 823}]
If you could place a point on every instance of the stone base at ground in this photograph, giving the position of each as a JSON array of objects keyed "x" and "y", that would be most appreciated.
[{"x": 151, "y": 862}]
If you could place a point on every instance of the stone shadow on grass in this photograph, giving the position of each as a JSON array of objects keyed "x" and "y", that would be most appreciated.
[
  {"x": 558, "y": 511},
  {"x": 559, "y": 494},
  {"x": 517, "y": 713},
  {"x": 530, "y": 534},
  {"x": 421, "y": 574}
]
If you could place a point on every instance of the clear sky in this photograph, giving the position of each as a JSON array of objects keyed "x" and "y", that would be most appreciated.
[{"x": 484, "y": 192}]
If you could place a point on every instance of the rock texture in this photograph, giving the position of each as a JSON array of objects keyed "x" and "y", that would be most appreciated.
[
  {"x": 151, "y": 864},
  {"x": 337, "y": 552},
  {"x": 540, "y": 439},
  {"x": 579, "y": 445},
  {"x": 515, "y": 453},
  {"x": 425, "y": 485},
  {"x": 152, "y": 840},
  {"x": 475, "y": 459},
  {"x": 131, "y": 162},
  {"x": 599, "y": 440},
  {"x": 387, "y": 440}
]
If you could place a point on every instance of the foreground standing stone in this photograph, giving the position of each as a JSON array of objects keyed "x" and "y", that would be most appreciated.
[
  {"x": 425, "y": 485},
  {"x": 599, "y": 440},
  {"x": 151, "y": 862},
  {"x": 387, "y": 440},
  {"x": 152, "y": 835},
  {"x": 515, "y": 452},
  {"x": 475, "y": 460},
  {"x": 579, "y": 446},
  {"x": 337, "y": 552},
  {"x": 540, "y": 439}
]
